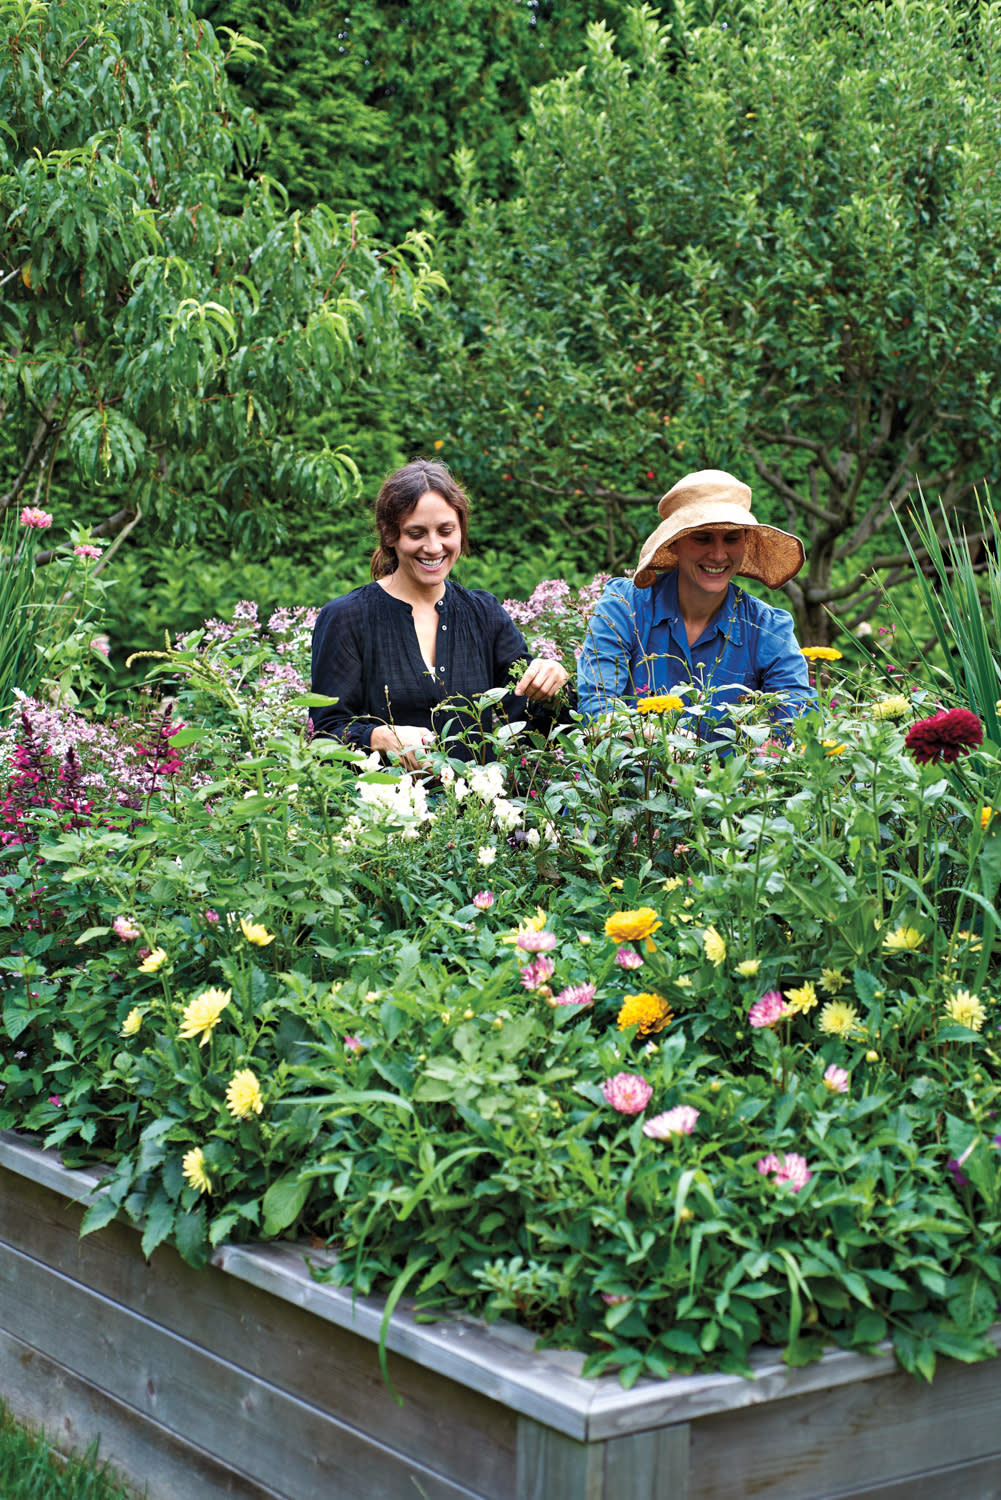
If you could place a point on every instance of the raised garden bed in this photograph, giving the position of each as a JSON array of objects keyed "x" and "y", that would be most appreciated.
[{"x": 253, "y": 1379}]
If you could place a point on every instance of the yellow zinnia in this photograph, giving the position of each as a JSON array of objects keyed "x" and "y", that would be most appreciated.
[
  {"x": 193, "y": 1168},
  {"x": 966, "y": 1009},
  {"x": 649, "y": 1012},
  {"x": 833, "y": 747},
  {"x": 632, "y": 926},
  {"x": 662, "y": 703},
  {"x": 986, "y": 814},
  {"x": 748, "y": 967},
  {"x": 833, "y": 980},
  {"x": 256, "y": 932},
  {"x": 802, "y": 999},
  {"x": 903, "y": 940},
  {"x": 821, "y": 653},
  {"x": 243, "y": 1095},
  {"x": 153, "y": 961},
  {"x": 203, "y": 1013},
  {"x": 132, "y": 1022},
  {"x": 838, "y": 1019}
]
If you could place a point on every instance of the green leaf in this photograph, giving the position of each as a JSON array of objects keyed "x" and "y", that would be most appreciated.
[
  {"x": 100, "y": 1213},
  {"x": 159, "y": 1220},
  {"x": 283, "y": 1203},
  {"x": 190, "y": 1238}
]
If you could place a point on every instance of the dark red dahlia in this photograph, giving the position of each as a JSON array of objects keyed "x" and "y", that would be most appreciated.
[{"x": 945, "y": 736}]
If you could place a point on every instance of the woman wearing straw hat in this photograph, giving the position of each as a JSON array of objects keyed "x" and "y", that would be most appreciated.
[{"x": 682, "y": 622}]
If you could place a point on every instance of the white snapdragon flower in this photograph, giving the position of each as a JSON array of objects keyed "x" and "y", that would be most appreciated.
[
  {"x": 487, "y": 781},
  {"x": 506, "y": 816}
]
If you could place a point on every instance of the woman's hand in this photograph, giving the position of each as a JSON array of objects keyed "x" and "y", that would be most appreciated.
[
  {"x": 541, "y": 679},
  {"x": 404, "y": 742}
]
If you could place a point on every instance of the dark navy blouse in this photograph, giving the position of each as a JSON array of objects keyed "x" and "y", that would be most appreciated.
[{"x": 366, "y": 655}]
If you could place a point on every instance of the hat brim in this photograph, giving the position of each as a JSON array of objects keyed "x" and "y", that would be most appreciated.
[{"x": 771, "y": 556}]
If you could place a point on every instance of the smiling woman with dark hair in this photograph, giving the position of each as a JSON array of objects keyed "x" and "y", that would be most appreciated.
[{"x": 407, "y": 655}]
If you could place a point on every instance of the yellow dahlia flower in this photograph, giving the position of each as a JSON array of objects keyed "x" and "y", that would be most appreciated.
[
  {"x": 966, "y": 1009},
  {"x": 838, "y": 1019},
  {"x": 243, "y": 1095},
  {"x": 903, "y": 940},
  {"x": 802, "y": 999},
  {"x": 193, "y": 1168},
  {"x": 203, "y": 1014},
  {"x": 256, "y": 932}
]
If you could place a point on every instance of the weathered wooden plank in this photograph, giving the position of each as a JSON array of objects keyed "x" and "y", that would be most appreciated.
[
  {"x": 43, "y": 1393},
  {"x": 648, "y": 1465},
  {"x": 441, "y": 1423},
  {"x": 980, "y": 1480},
  {"x": 851, "y": 1439},
  {"x": 259, "y": 1431},
  {"x": 643, "y": 1466},
  {"x": 552, "y": 1465},
  {"x": 500, "y": 1362}
]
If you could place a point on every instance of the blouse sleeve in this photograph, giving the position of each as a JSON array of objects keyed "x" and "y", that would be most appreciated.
[{"x": 338, "y": 672}]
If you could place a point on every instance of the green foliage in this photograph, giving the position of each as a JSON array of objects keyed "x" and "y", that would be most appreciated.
[
  {"x": 766, "y": 256},
  {"x": 272, "y": 994},
  {"x": 964, "y": 620},
  {"x": 49, "y": 618},
  {"x": 168, "y": 336},
  {"x": 365, "y": 106}
]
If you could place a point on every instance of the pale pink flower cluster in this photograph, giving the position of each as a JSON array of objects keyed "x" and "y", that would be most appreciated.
[
  {"x": 629, "y": 1093},
  {"x": 677, "y": 1121},
  {"x": 483, "y": 900},
  {"x": 353, "y": 1045},
  {"x": 288, "y": 634},
  {"x": 577, "y": 994},
  {"x": 126, "y": 929},
  {"x": 628, "y": 958},
  {"x": 768, "y": 1010},
  {"x": 84, "y": 549},
  {"x": 549, "y": 595},
  {"x": 535, "y": 974},
  {"x": 791, "y": 1169},
  {"x": 35, "y": 519},
  {"x": 541, "y": 645},
  {"x": 532, "y": 941},
  {"x": 836, "y": 1079}
]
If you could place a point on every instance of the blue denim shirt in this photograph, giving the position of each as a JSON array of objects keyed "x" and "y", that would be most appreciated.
[{"x": 636, "y": 645}]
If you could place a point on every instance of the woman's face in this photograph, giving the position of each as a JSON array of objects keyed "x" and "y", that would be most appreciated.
[
  {"x": 429, "y": 542},
  {"x": 707, "y": 560}
]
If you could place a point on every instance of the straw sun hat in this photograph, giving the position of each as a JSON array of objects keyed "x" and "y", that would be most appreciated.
[{"x": 712, "y": 499}]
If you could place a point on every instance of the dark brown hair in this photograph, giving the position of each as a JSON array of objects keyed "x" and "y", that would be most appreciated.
[{"x": 398, "y": 497}]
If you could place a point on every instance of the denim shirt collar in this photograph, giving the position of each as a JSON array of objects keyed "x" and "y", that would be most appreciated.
[{"x": 665, "y": 609}]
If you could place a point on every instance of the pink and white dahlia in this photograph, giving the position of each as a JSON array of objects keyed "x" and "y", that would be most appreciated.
[
  {"x": 627, "y": 1092},
  {"x": 791, "y": 1169},
  {"x": 768, "y": 1010},
  {"x": 677, "y": 1121},
  {"x": 576, "y": 994}
]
